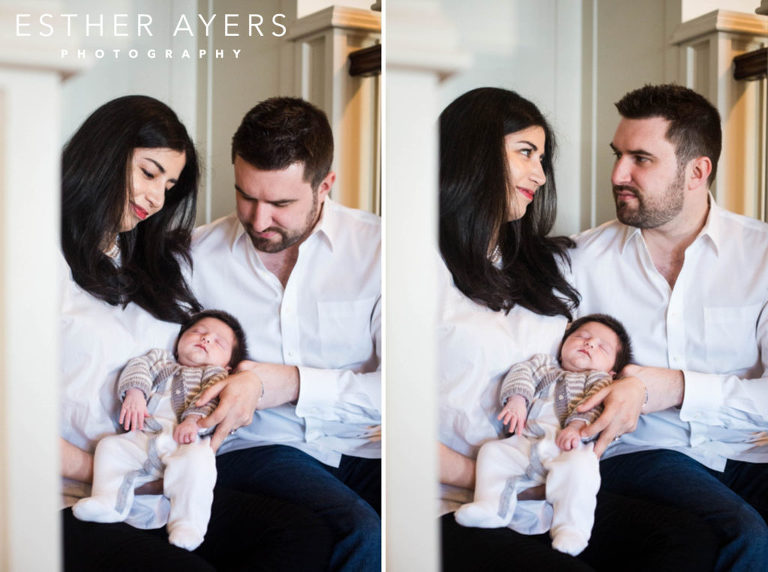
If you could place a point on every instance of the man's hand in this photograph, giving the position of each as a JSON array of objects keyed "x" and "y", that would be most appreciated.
[
  {"x": 239, "y": 396},
  {"x": 570, "y": 437},
  {"x": 134, "y": 410},
  {"x": 186, "y": 431},
  {"x": 253, "y": 386},
  {"x": 622, "y": 401},
  {"x": 514, "y": 413}
]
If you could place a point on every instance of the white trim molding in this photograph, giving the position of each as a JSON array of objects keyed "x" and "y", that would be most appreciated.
[
  {"x": 321, "y": 45},
  {"x": 31, "y": 72},
  {"x": 414, "y": 70},
  {"x": 708, "y": 45}
]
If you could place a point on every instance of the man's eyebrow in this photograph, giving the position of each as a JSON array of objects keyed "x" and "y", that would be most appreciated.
[
  {"x": 247, "y": 196},
  {"x": 641, "y": 152}
]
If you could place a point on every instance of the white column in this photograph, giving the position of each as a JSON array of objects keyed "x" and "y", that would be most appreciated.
[
  {"x": 322, "y": 44},
  {"x": 417, "y": 56},
  {"x": 30, "y": 88},
  {"x": 708, "y": 45}
]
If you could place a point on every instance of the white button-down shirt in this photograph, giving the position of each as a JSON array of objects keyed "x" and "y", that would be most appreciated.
[
  {"x": 97, "y": 339},
  {"x": 326, "y": 321},
  {"x": 477, "y": 347},
  {"x": 713, "y": 325}
]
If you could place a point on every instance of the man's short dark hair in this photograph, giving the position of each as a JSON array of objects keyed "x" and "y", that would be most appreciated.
[
  {"x": 694, "y": 123},
  {"x": 281, "y": 131},
  {"x": 239, "y": 349},
  {"x": 624, "y": 351}
]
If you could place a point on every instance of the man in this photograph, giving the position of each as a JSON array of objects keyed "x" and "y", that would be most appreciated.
[
  {"x": 690, "y": 282},
  {"x": 303, "y": 275}
]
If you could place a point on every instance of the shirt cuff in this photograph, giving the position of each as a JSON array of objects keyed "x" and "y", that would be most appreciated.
[
  {"x": 317, "y": 390},
  {"x": 703, "y": 397}
]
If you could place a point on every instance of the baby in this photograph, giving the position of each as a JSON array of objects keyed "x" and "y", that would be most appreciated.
[
  {"x": 539, "y": 400},
  {"x": 159, "y": 395}
]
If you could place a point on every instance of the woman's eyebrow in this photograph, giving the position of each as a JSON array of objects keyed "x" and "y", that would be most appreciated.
[{"x": 158, "y": 165}]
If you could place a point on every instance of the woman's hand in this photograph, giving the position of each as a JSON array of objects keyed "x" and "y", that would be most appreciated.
[
  {"x": 514, "y": 414},
  {"x": 134, "y": 410}
]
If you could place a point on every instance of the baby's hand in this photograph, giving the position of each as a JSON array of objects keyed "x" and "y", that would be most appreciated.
[
  {"x": 134, "y": 410},
  {"x": 186, "y": 431},
  {"x": 514, "y": 414},
  {"x": 570, "y": 437}
]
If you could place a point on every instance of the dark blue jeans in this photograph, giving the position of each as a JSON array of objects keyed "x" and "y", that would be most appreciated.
[
  {"x": 630, "y": 535},
  {"x": 246, "y": 532},
  {"x": 347, "y": 498},
  {"x": 733, "y": 502}
]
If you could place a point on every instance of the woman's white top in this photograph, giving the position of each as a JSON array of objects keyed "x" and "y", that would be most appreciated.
[
  {"x": 97, "y": 339},
  {"x": 477, "y": 347}
]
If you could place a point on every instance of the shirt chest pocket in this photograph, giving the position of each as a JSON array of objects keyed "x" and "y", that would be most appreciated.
[
  {"x": 346, "y": 338},
  {"x": 730, "y": 337}
]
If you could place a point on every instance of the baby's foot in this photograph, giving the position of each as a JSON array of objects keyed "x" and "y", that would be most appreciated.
[
  {"x": 185, "y": 536},
  {"x": 479, "y": 515},
  {"x": 95, "y": 509},
  {"x": 569, "y": 541}
]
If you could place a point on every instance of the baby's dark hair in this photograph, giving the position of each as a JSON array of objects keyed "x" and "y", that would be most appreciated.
[
  {"x": 624, "y": 352},
  {"x": 239, "y": 350}
]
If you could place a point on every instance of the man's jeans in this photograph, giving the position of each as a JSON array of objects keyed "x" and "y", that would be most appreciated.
[
  {"x": 348, "y": 498},
  {"x": 733, "y": 502}
]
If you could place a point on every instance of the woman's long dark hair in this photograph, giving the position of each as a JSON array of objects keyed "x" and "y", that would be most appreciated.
[
  {"x": 96, "y": 182},
  {"x": 474, "y": 190}
]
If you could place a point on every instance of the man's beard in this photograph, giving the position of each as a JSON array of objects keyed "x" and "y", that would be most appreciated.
[
  {"x": 287, "y": 238},
  {"x": 652, "y": 213}
]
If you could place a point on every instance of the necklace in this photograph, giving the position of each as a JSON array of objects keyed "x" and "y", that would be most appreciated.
[
  {"x": 114, "y": 251},
  {"x": 495, "y": 256}
]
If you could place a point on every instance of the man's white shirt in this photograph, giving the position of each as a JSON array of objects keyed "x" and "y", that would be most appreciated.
[
  {"x": 713, "y": 325},
  {"x": 326, "y": 321}
]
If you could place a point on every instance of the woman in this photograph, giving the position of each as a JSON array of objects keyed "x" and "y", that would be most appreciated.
[
  {"x": 504, "y": 299},
  {"x": 129, "y": 184}
]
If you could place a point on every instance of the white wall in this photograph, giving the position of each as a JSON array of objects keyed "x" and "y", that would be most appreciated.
[{"x": 170, "y": 80}]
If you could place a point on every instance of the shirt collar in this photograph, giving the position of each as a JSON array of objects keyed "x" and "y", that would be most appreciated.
[
  {"x": 631, "y": 233},
  {"x": 711, "y": 228},
  {"x": 327, "y": 227}
]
